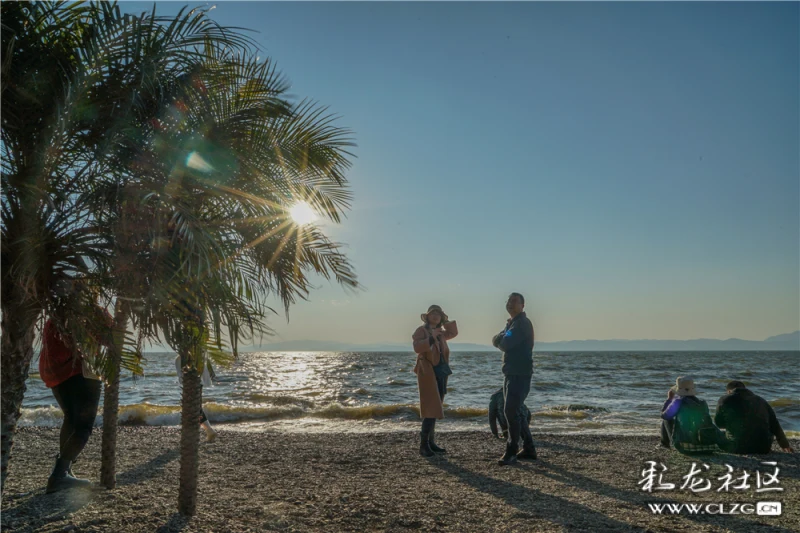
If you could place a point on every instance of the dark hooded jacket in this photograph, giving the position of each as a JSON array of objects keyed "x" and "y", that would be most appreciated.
[{"x": 750, "y": 422}]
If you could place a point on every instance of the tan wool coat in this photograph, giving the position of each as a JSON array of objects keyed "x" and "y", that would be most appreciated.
[{"x": 430, "y": 404}]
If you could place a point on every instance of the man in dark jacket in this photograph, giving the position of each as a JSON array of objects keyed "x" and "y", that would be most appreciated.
[
  {"x": 497, "y": 415},
  {"x": 516, "y": 342},
  {"x": 750, "y": 421}
]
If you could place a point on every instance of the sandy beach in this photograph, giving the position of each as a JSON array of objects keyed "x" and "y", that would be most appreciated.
[{"x": 344, "y": 482}]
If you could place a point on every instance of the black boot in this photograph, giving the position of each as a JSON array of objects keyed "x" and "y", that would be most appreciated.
[
  {"x": 424, "y": 445},
  {"x": 510, "y": 457},
  {"x": 434, "y": 447},
  {"x": 61, "y": 479},
  {"x": 528, "y": 452}
]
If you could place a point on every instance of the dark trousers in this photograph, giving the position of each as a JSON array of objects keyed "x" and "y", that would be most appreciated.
[
  {"x": 515, "y": 391},
  {"x": 429, "y": 423},
  {"x": 78, "y": 398},
  {"x": 667, "y": 428}
]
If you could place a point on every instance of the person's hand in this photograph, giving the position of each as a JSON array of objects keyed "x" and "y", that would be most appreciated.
[
  {"x": 670, "y": 394},
  {"x": 505, "y": 435},
  {"x": 789, "y": 449},
  {"x": 497, "y": 338}
]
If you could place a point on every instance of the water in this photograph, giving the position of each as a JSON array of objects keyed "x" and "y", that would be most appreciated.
[{"x": 601, "y": 392}]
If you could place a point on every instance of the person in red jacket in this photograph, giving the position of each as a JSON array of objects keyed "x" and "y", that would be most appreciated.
[{"x": 61, "y": 370}]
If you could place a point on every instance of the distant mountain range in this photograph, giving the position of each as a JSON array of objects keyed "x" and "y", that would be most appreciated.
[{"x": 786, "y": 342}]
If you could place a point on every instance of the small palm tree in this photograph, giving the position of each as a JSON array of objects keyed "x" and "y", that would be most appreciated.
[{"x": 233, "y": 156}]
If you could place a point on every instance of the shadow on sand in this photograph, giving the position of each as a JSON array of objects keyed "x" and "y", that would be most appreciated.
[
  {"x": 39, "y": 509},
  {"x": 640, "y": 499},
  {"x": 532, "y": 503},
  {"x": 148, "y": 470}
]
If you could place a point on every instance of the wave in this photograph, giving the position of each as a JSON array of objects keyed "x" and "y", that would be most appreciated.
[
  {"x": 642, "y": 385},
  {"x": 148, "y": 414},
  {"x": 257, "y": 397},
  {"x": 561, "y": 414},
  {"x": 578, "y": 407},
  {"x": 784, "y": 402},
  {"x": 547, "y": 385},
  {"x": 574, "y": 410}
]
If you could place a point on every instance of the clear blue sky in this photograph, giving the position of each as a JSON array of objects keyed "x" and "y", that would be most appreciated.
[{"x": 632, "y": 169}]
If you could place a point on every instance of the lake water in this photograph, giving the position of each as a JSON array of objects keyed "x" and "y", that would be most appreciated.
[{"x": 600, "y": 392}]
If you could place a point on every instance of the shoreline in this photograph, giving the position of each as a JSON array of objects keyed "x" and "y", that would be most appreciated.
[{"x": 282, "y": 481}]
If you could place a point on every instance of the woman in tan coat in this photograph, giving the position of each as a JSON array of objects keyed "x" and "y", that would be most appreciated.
[{"x": 432, "y": 369}]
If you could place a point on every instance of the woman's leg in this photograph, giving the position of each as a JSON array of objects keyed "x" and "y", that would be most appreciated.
[
  {"x": 667, "y": 427},
  {"x": 424, "y": 436},
  {"x": 78, "y": 398},
  {"x": 66, "y": 424},
  {"x": 441, "y": 385},
  {"x": 82, "y": 397}
]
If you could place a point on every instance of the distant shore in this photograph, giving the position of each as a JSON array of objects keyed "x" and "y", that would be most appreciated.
[{"x": 274, "y": 481}]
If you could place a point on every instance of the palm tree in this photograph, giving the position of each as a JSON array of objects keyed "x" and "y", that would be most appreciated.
[
  {"x": 43, "y": 242},
  {"x": 74, "y": 92},
  {"x": 156, "y": 58},
  {"x": 229, "y": 160}
]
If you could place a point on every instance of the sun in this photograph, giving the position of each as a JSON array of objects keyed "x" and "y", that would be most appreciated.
[{"x": 302, "y": 214}]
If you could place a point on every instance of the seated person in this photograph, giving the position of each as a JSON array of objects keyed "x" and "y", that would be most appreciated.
[
  {"x": 750, "y": 421},
  {"x": 497, "y": 414},
  {"x": 687, "y": 423}
]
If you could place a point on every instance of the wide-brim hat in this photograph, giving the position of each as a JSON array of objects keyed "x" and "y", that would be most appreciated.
[
  {"x": 431, "y": 309},
  {"x": 684, "y": 386}
]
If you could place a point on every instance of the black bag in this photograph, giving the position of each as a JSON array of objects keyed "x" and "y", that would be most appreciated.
[{"x": 442, "y": 370}]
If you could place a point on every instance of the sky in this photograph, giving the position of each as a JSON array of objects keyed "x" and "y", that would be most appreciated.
[{"x": 632, "y": 169}]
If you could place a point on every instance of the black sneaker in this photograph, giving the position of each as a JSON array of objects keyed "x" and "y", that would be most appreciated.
[
  {"x": 507, "y": 459},
  {"x": 528, "y": 452},
  {"x": 61, "y": 478}
]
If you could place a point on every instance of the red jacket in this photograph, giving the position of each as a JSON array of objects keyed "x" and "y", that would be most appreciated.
[{"x": 56, "y": 362}]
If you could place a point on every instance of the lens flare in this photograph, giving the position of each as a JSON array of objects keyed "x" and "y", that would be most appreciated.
[
  {"x": 302, "y": 213},
  {"x": 196, "y": 162}
]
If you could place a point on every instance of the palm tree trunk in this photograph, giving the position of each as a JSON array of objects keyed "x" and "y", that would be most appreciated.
[
  {"x": 191, "y": 405},
  {"x": 19, "y": 328},
  {"x": 108, "y": 457}
]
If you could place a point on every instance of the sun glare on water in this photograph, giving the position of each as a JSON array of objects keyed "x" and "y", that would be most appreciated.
[{"x": 302, "y": 213}]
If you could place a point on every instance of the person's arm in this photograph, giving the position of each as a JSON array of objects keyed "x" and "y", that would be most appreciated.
[
  {"x": 515, "y": 335},
  {"x": 501, "y": 419},
  {"x": 422, "y": 340},
  {"x": 493, "y": 417},
  {"x": 671, "y": 408},
  {"x": 777, "y": 430},
  {"x": 719, "y": 415},
  {"x": 497, "y": 338},
  {"x": 450, "y": 330},
  {"x": 179, "y": 369},
  {"x": 206, "y": 377}
]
